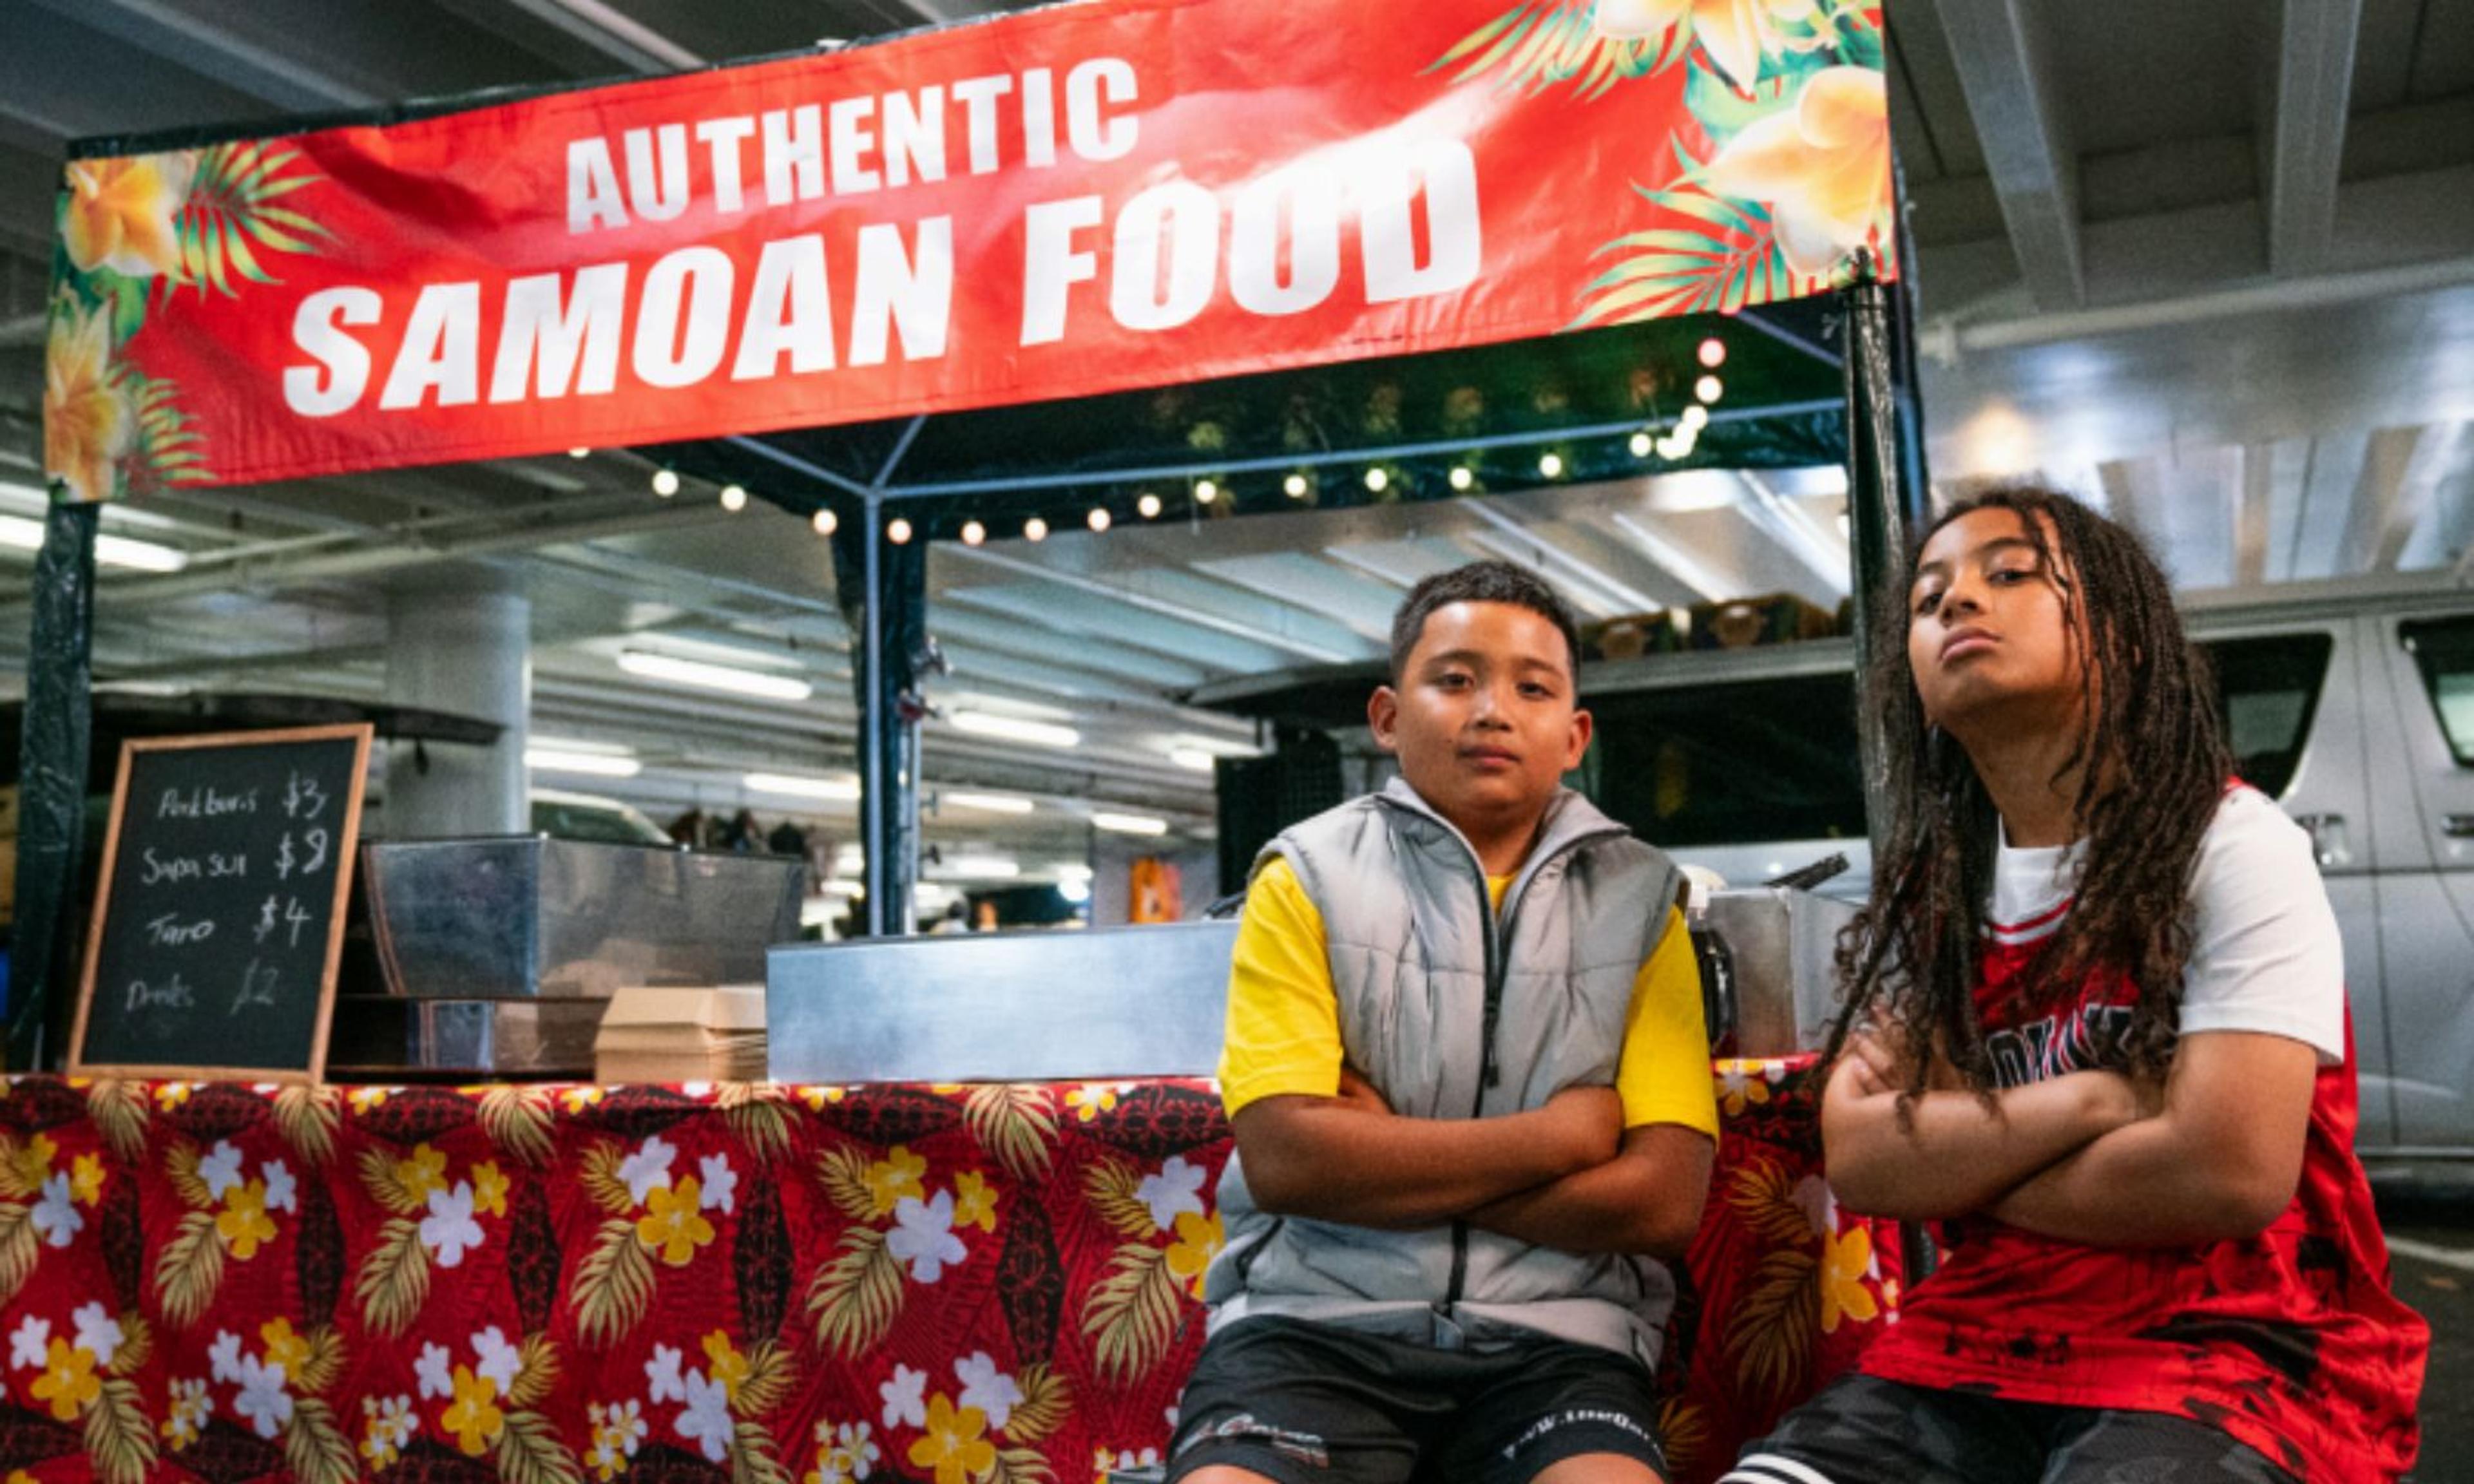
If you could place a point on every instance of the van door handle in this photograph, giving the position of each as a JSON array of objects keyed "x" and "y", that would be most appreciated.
[
  {"x": 2328, "y": 840},
  {"x": 2457, "y": 827}
]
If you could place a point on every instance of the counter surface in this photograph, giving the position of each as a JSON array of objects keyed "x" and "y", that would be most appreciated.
[{"x": 980, "y": 1284}]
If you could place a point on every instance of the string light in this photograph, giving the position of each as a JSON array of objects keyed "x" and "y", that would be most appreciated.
[
  {"x": 1551, "y": 465},
  {"x": 732, "y": 498},
  {"x": 1205, "y": 491},
  {"x": 666, "y": 482},
  {"x": 579, "y": 453},
  {"x": 1714, "y": 352},
  {"x": 1099, "y": 518},
  {"x": 1461, "y": 476},
  {"x": 1695, "y": 417},
  {"x": 1669, "y": 448},
  {"x": 1296, "y": 486},
  {"x": 1708, "y": 389},
  {"x": 1149, "y": 505},
  {"x": 1034, "y": 529},
  {"x": 1639, "y": 445},
  {"x": 973, "y": 532},
  {"x": 898, "y": 532},
  {"x": 1377, "y": 481},
  {"x": 825, "y": 521}
]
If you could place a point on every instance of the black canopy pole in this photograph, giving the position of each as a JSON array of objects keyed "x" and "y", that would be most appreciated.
[
  {"x": 52, "y": 782},
  {"x": 1886, "y": 494}
]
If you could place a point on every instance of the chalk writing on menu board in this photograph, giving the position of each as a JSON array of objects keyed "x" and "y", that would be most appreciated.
[{"x": 221, "y": 906}]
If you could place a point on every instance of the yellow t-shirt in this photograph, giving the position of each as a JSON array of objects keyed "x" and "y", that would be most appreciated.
[{"x": 1284, "y": 1019}]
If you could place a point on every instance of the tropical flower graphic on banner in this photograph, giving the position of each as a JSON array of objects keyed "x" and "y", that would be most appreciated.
[
  {"x": 133, "y": 230},
  {"x": 432, "y": 1222},
  {"x": 653, "y": 1215},
  {"x": 490, "y": 1400},
  {"x": 1789, "y": 174},
  {"x": 1131, "y": 1315},
  {"x": 855, "y": 1299}
]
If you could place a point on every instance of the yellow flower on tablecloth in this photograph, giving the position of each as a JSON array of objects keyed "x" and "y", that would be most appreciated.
[
  {"x": 1823, "y": 167},
  {"x": 673, "y": 1225},
  {"x": 723, "y": 1362},
  {"x": 285, "y": 1351},
  {"x": 243, "y": 1222},
  {"x": 489, "y": 1188},
  {"x": 87, "y": 424},
  {"x": 390, "y": 1426},
  {"x": 120, "y": 213},
  {"x": 475, "y": 1418},
  {"x": 581, "y": 1099},
  {"x": 975, "y": 1204},
  {"x": 816, "y": 1097},
  {"x": 86, "y": 1180},
  {"x": 20, "y": 1476},
  {"x": 421, "y": 1171},
  {"x": 1741, "y": 1085},
  {"x": 1844, "y": 1265},
  {"x": 189, "y": 1411},
  {"x": 34, "y": 1159},
  {"x": 956, "y": 1443},
  {"x": 1199, "y": 1241},
  {"x": 893, "y": 1177},
  {"x": 364, "y": 1099},
  {"x": 1092, "y": 1099},
  {"x": 68, "y": 1382},
  {"x": 172, "y": 1094}
]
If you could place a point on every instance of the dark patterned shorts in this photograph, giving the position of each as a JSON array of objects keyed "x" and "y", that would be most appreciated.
[
  {"x": 1862, "y": 1430},
  {"x": 1313, "y": 1404}
]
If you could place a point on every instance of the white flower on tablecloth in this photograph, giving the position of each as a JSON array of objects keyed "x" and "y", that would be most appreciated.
[
  {"x": 661, "y": 1375},
  {"x": 262, "y": 1398},
  {"x": 223, "y": 1357},
  {"x": 30, "y": 1348},
  {"x": 495, "y": 1358},
  {"x": 647, "y": 1167},
  {"x": 55, "y": 1215},
  {"x": 436, "y": 1371},
  {"x": 906, "y": 1397},
  {"x": 281, "y": 1191},
  {"x": 97, "y": 1332},
  {"x": 855, "y": 1449},
  {"x": 985, "y": 1387},
  {"x": 450, "y": 1229},
  {"x": 623, "y": 1423},
  {"x": 1176, "y": 1189},
  {"x": 220, "y": 1169},
  {"x": 719, "y": 1190},
  {"x": 706, "y": 1422},
  {"x": 923, "y": 1235}
]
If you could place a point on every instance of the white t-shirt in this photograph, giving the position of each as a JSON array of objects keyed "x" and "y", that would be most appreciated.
[{"x": 2265, "y": 954}]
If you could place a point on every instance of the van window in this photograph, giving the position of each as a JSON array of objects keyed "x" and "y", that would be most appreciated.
[
  {"x": 1732, "y": 764},
  {"x": 2267, "y": 690},
  {"x": 2443, "y": 651}
]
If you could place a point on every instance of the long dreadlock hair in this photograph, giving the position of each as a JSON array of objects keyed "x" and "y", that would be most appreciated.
[{"x": 2155, "y": 763}]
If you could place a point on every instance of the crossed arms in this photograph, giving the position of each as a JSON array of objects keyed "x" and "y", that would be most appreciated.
[
  {"x": 1565, "y": 1175},
  {"x": 2088, "y": 1156}
]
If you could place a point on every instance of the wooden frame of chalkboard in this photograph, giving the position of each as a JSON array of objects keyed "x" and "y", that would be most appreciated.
[{"x": 102, "y": 1033}]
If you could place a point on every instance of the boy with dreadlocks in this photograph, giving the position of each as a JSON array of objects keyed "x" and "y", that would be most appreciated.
[
  {"x": 1471, "y": 1088},
  {"x": 2095, "y": 1025}
]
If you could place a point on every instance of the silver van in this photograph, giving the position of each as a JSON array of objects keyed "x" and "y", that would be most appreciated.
[{"x": 2357, "y": 715}]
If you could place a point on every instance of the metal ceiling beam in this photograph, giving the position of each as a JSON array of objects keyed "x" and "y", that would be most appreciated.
[
  {"x": 2253, "y": 486},
  {"x": 2385, "y": 460},
  {"x": 584, "y": 40},
  {"x": 2305, "y": 140},
  {"x": 2442, "y": 454},
  {"x": 2027, "y": 145},
  {"x": 1261, "y": 621},
  {"x": 209, "y": 50}
]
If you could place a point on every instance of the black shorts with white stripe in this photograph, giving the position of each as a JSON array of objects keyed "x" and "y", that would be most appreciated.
[{"x": 1860, "y": 1430}]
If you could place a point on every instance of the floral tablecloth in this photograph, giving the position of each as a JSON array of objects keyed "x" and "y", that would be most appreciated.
[{"x": 984, "y": 1284}]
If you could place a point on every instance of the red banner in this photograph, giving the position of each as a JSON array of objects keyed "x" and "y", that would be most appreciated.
[{"x": 1070, "y": 201}]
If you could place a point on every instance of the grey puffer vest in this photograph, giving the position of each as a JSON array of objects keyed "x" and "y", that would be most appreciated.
[{"x": 1454, "y": 1010}]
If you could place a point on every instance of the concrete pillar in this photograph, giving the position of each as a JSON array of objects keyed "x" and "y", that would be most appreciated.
[{"x": 470, "y": 654}]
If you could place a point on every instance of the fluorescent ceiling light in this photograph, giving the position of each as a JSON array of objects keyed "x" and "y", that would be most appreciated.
[
  {"x": 110, "y": 550},
  {"x": 579, "y": 744},
  {"x": 1129, "y": 824},
  {"x": 794, "y": 787},
  {"x": 988, "y": 804},
  {"x": 711, "y": 677},
  {"x": 980, "y": 867},
  {"x": 1193, "y": 757},
  {"x": 1072, "y": 870},
  {"x": 599, "y": 765},
  {"x": 1015, "y": 728}
]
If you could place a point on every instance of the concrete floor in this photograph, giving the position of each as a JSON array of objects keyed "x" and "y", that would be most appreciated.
[{"x": 2432, "y": 1245}]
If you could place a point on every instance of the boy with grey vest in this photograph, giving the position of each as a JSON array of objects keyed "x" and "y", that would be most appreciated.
[{"x": 1470, "y": 1086}]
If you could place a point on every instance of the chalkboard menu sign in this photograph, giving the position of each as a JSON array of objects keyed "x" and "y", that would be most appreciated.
[{"x": 220, "y": 913}]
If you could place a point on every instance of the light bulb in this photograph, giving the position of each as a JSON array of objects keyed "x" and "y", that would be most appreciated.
[
  {"x": 579, "y": 453},
  {"x": 1296, "y": 486},
  {"x": 825, "y": 521},
  {"x": 732, "y": 498},
  {"x": 1034, "y": 529},
  {"x": 1714, "y": 352},
  {"x": 898, "y": 531},
  {"x": 1098, "y": 520},
  {"x": 1149, "y": 505},
  {"x": 1639, "y": 445},
  {"x": 1461, "y": 477},
  {"x": 1205, "y": 491},
  {"x": 666, "y": 482},
  {"x": 1377, "y": 481},
  {"x": 1551, "y": 465},
  {"x": 1708, "y": 389},
  {"x": 973, "y": 532}
]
